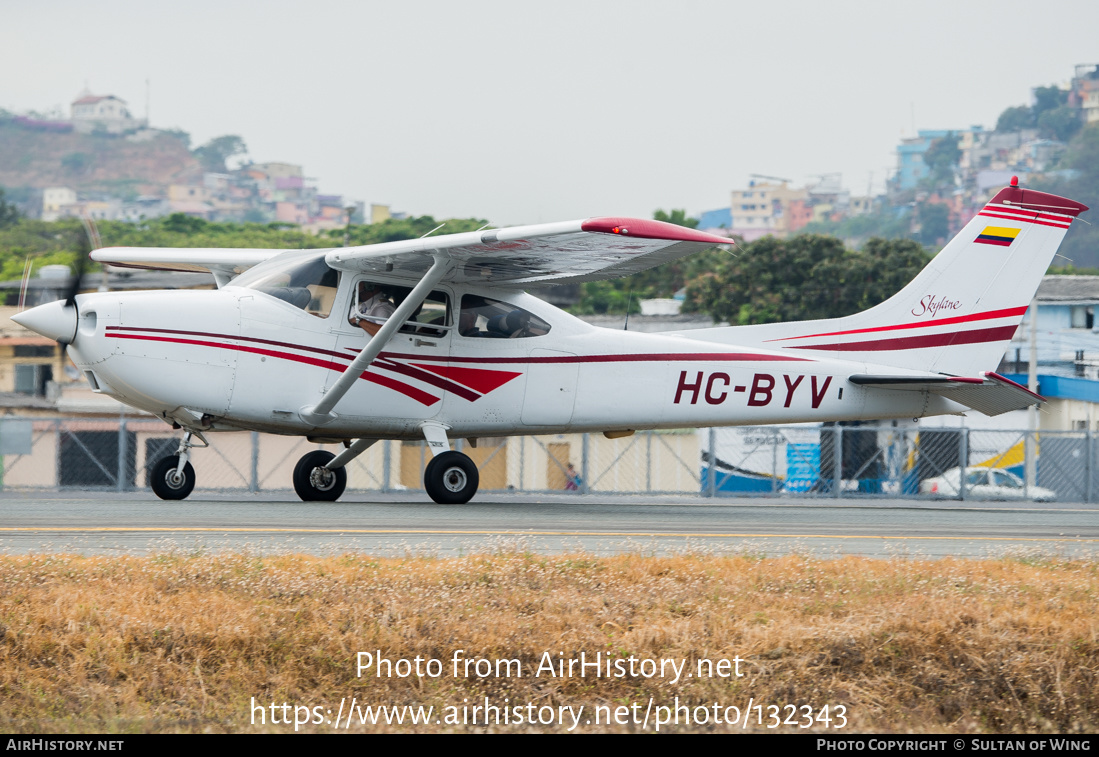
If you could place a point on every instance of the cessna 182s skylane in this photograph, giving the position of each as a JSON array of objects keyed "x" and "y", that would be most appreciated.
[{"x": 460, "y": 350}]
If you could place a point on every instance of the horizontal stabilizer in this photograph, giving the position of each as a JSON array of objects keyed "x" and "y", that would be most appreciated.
[{"x": 991, "y": 393}]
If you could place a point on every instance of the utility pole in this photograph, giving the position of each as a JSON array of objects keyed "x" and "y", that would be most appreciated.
[
  {"x": 1030, "y": 448},
  {"x": 350, "y": 209}
]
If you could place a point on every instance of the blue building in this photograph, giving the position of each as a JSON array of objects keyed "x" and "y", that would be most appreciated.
[
  {"x": 711, "y": 220},
  {"x": 910, "y": 164}
]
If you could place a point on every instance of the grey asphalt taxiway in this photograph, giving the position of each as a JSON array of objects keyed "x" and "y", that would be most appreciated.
[{"x": 408, "y": 523}]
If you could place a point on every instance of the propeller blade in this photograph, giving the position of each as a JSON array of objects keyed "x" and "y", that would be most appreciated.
[
  {"x": 23, "y": 284},
  {"x": 84, "y": 247}
]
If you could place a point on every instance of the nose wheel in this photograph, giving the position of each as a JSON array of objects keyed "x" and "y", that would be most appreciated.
[
  {"x": 173, "y": 477},
  {"x": 451, "y": 478},
  {"x": 169, "y": 482},
  {"x": 314, "y": 482}
]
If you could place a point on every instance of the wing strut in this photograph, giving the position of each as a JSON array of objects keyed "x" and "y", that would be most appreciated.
[{"x": 321, "y": 413}]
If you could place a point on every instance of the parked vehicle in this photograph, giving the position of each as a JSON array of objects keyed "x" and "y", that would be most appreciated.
[{"x": 985, "y": 483}]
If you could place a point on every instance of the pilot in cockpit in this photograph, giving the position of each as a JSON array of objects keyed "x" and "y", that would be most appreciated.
[{"x": 372, "y": 307}]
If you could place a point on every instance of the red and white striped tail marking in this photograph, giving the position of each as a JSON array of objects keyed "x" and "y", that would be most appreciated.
[{"x": 1026, "y": 215}]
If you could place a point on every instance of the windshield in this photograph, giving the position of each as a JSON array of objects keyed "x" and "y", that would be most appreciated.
[{"x": 303, "y": 280}]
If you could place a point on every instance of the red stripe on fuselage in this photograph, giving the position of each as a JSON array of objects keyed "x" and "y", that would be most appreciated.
[
  {"x": 409, "y": 391},
  {"x": 288, "y": 345},
  {"x": 480, "y": 379},
  {"x": 661, "y": 357},
  {"x": 986, "y": 316},
  {"x": 976, "y": 336},
  {"x": 427, "y": 378}
]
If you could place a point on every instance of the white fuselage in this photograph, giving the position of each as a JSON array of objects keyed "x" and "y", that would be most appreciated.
[{"x": 236, "y": 358}]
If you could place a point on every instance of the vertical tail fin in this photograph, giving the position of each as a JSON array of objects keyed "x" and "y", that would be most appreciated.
[{"x": 957, "y": 316}]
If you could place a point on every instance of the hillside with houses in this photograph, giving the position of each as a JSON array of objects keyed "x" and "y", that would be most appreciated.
[{"x": 102, "y": 163}]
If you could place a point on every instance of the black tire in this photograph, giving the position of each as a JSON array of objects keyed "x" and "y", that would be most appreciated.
[
  {"x": 313, "y": 485},
  {"x": 164, "y": 482},
  {"x": 451, "y": 478}
]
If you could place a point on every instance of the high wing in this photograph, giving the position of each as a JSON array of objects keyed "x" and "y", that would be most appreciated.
[
  {"x": 218, "y": 261},
  {"x": 552, "y": 253},
  {"x": 991, "y": 393}
]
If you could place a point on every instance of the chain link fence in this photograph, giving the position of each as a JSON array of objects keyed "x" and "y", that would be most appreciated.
[
  {"x": 813, "y": 462},
  {"x": 892, "y": 461}
]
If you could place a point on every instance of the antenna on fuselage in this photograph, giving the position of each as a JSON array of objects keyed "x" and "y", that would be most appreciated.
[{"x": 434, "y": 230}]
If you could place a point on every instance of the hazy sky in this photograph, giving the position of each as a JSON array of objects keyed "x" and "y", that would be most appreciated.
[{"x": 525, "y": 112}]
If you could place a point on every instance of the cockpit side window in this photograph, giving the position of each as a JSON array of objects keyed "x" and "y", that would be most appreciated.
[
  {"x": 306, "y": 283},
  {"x": 375, "y": 302},
  {"x": 485, "y": 318}
]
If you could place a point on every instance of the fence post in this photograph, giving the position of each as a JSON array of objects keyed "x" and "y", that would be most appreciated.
[
  {"x": 963, "y": 462},
  {"x": 120, "y": 479},
  {"x": 711, "y": 472},
  {"x": 385, "y": 464},
  {"x": 253, "y": 484},
  {"x": 522, "y": 462},
  {"x": 585, "y": 487},
  {"x": 1089, "y": 467},
  {"x": 774, "y": 461},
  {"x": 837, "y": 463},
  {"x": 57, "y": 458},
  {"x": 648, "y": 461}
]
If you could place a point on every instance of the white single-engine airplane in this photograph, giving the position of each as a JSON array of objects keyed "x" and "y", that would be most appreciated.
[{"x": 435, "y": 338}]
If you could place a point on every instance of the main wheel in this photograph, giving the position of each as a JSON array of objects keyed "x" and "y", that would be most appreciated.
[
  {"x": 451, "y": 478},
  {"x": 166, "y": 484},
  {"x": 314, "y": 483}
]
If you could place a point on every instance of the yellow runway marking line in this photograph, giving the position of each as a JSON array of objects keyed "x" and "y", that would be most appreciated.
[{"x": 406, "y": 532}]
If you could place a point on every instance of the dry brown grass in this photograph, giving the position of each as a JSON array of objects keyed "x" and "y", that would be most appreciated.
[{"x": 182, "y": 642}]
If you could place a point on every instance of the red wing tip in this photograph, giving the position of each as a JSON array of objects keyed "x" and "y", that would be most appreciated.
[{"x": 643, "y": 228}]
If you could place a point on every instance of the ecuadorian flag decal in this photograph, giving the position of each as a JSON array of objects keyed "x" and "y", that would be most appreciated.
[{"x": 1002, "y": 236}]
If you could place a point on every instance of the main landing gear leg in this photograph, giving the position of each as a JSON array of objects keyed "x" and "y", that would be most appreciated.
[
  {"x": 173, "y": 477},
  {"x": 321, "y": 476},
  {"x": 451, "y": 478}
]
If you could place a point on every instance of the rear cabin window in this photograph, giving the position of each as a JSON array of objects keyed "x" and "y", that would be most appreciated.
[{"x": 484, "y": 318}]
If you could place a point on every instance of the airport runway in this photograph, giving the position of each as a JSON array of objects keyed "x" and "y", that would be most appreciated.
[{"x": 138, "y": 523}]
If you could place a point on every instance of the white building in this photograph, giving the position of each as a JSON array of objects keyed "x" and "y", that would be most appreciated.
[
  {"x": 54, "y": 199},
  {"x": 104, "y": 113}
]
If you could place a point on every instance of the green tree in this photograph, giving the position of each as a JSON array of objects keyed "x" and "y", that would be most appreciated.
[
  {"x": 76, "y": 162},
  {"x": 218, "y": 150},
  {"x": 942, "y": 159},
  {"x": 934, "y": 221},
  {"x": 1014, "y": 119},
  {"x": 1048, "y": 98},
  {"x": 9, "y": 214},
  {"x": 804, "y": 277},
  {"x": 1078, "y": 179},
  {"x": 1059, "y": 123},
  {"x": 678, "y": 217}
]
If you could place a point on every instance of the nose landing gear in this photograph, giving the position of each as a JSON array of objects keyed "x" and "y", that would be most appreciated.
[
  {"x": 174, "y": 477},
  {"x": 169, "y": 482}
]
